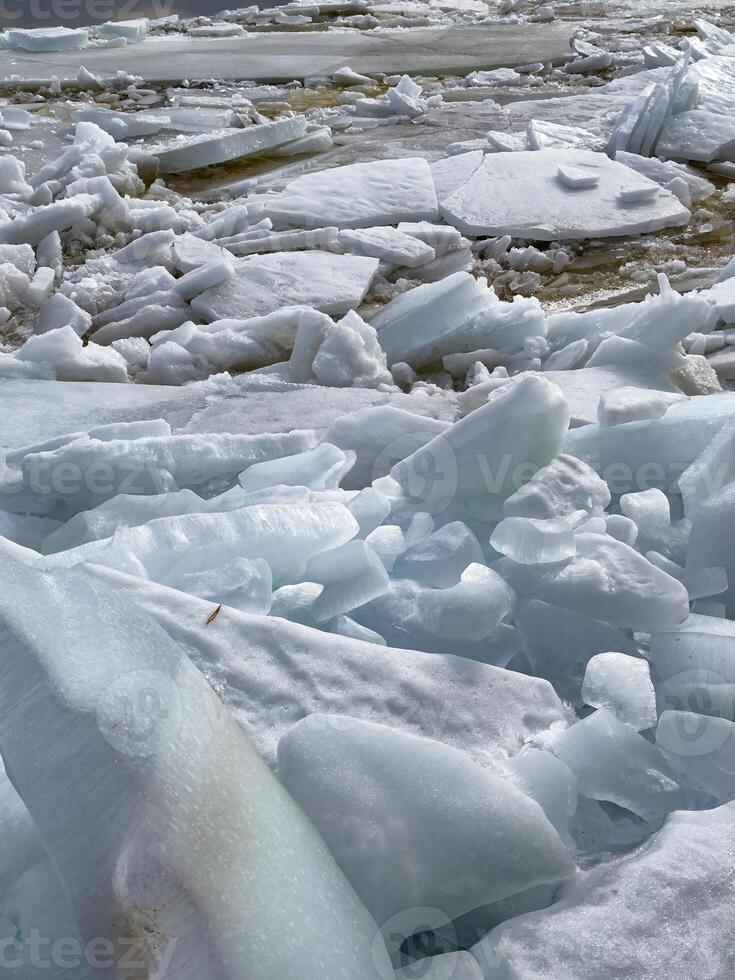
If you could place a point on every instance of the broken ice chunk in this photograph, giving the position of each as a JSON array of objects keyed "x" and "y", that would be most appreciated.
[
  {"x": 622, "y": 684},
  {"x": 48, "y": 39},
  {"x": 561, "y": 488},
  {"x": 420, "y": 325},
  {"x": 389, "y": 244},
  {"x": 544, "y": 135},
  {"x": 134, "y": 31},
  {"x": 319, "y": 469},
  {"x": 32, "y": 227},
  {"x": 351, "y": 575},
  {"x": 130, "y": 510},
  {"x": 240, "y": 583},
  {"x": 286, "y": 536},
  {"x": 60, "y": 311},
  {"x": 711, "y": 540},
  {"x": 629, "y": 404},
  {"x": 470, "y": 610},
  {"x": 350, "y": 355},
  {"x": 262, "y": 284},
  {"x": 388, "y": 542},
  {"x": 607, "y": 580},
  {"x": 559, "y": 643},
  {"x": 296, "y": 602},
  {"x": 61, "y": 354},
  {"x": 662, "y": 442},
  {"x": 651, "y": 512},
  {"x": 699, "y": 749},
  {"x": 380, "y": 436},
  {"x": 439, "y": 559},
  {"x": 415, "y": 824},
  {"x": 546, "y": 779},
  {"x": 456, "y": 313},
  {"x": 613, "y": 762},
  {"x": 711, "y": 472},
  {"x": 631, "y": 195},
  {"x": 102, "y": 467},
  {"x": 531, "y": 541},
  {"x": 577, "y": 178}
]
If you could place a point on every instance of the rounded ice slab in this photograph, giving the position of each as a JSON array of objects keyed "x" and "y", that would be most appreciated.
[
  {"x": 360, "y": 195},
  {"x": 520, "y": 194},
  {"x": 422, "y": 832}
]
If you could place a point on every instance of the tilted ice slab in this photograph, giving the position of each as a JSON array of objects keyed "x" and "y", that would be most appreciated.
[
  {"x": 286, "y": 536},
  {"x": 622, "y": 685},
  {"x": 520, "y": 194},
  {"x": 652, "y": 452},
  {"x": 613, "y": 915},
  {"x": 663, "y": 172},
  {"x": 360, "y": 195},
  {"x": 190, "y": 152},
  {"x": 379, "y": 437},
  {"x": 460, "y": 836},
  {"x": 113, "y": 460},
  {"x": 490, "y": 453},
  {"x": 124, "y": 125},
  {"x": 694, "y": 668},
  {"x": 262, "y": 284},
  {"x": 163, "y": 823},
  {"x": 271, "y": 673},
  {"x": 612, "y": 762},
  {"x": 559, "y": 643},
  {"x": 699, "y": 126},
  {"x": 582, "y": 387},
  {"x": 457, "y": 313},
  {"x": 713, "y": 534}
]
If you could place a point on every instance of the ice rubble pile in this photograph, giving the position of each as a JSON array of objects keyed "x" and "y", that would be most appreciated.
[
  {"x": 172, "y": 292},
  {"x": 503, "y": 551}
]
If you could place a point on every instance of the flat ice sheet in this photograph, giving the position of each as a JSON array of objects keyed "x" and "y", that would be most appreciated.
[
  {"x": 359, "y": 195},
  {"x": 247, "y": 405},
  {"x": 283, "y": 57},
  {"x": 264, "y": 283},
  {"x": 520, "y": 194}
]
